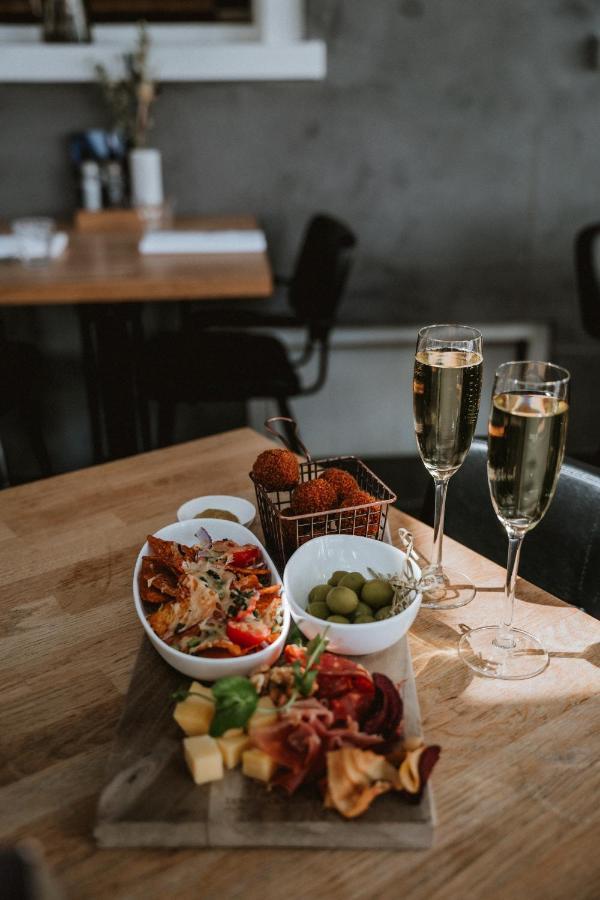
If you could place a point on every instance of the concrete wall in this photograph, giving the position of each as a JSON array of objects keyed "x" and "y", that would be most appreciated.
[{"x": 460, "y": 138}]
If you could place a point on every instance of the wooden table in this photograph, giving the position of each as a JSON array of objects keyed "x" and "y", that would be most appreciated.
[
  {"x": 516, "y": 787},
  {"x": 106, "y": 267},
  {"x": 105, "y": 276}
]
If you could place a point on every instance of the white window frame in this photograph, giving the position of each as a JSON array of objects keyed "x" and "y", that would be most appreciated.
[{"x": 272, "y": 47}]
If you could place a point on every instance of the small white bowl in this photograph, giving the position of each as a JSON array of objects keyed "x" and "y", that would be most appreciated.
[
  {"x": 316, "y": 561},
  {"x": 243, "y": 509},
  {"x": 200, "y": 667}
]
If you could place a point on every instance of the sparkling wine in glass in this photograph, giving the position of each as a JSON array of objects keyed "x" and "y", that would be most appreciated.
[
  {"x": 446, "y": 392},
  {"x": 526, "y": 445}
]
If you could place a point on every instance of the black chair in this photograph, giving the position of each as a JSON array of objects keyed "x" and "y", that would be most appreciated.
[
  {"x": 204, "y": 363},
  {"x": 588, "y": 285},
  {"x": 560, "y": 555},
  {"x": 588, "y": 290},
  {"x": 21, "y": 375}
]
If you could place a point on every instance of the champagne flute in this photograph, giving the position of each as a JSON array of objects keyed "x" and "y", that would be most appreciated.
[
  {"x": 526, "y": 444},
  {"x": 446, "y": 391}
]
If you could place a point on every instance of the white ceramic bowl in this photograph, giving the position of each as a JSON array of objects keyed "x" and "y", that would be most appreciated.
[
  {"x": 243, "y": 509},
  {"x": 316, "y": 561},
  {"x": 200, "y": 667}
]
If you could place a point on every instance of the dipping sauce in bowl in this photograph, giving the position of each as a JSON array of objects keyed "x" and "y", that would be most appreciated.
[{"x": 217, "y": 514}]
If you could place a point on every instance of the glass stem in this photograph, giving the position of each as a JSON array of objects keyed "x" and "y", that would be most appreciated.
[
  {"x": 441, "y": 487},
  {"x": 515, "y": 542}
]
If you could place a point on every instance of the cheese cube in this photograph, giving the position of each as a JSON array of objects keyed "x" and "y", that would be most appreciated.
[
  {"x": 195, "y": 714},
  {"x": 233, "y": 732},
  {"x": 257, "y": 764},
  {"x": 204, "y": 758},
  {"x": 232, "y": 746},
  {"x": 261, "y": 717}
]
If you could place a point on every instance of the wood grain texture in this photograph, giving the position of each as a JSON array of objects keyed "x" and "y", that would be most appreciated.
[
  {"x": 106, "y": 267},
  {"x": 149, "y": 799},
  {"x": 516, "y": 787}
]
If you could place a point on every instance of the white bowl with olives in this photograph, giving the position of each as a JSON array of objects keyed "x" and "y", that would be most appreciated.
[{"x": 355, "y": 588}]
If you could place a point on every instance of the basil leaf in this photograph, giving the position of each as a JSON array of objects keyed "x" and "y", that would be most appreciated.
[{"x": 236, "y": 699}]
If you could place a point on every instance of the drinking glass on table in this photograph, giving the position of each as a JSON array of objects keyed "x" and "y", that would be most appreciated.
[
  {"x": 446, "y": 391},
  {"x": 34, "y": 239},
  {"x": 526, "y": 443}
]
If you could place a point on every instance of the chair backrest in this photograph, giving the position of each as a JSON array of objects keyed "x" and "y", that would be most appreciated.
[
  {"x": 321, "y": 272},
  {"x": 561, "y": 555},
  {"x": 588, "y": 287}
]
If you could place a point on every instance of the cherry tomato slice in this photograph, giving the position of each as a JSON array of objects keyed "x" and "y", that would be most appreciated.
[
  {"x": 249, "y": 633},
  {"x": 245, "y": 556}
]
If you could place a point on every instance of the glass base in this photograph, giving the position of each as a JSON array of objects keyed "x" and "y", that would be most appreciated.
[
  {"x": 479, "y": 650},
  {"x": 453, "y": 590}
]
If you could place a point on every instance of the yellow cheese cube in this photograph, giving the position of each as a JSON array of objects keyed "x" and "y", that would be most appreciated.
[
  {"x": 262, "y": 715},
  {"x": 233, "y": 732},
  {"x": 195, "y": 714},
  {"x": 257, "y": 764},
  {"x": 204, "y": 758},
  {"x": 232, "y": 746},
  {"x": 201, "y": 689}
]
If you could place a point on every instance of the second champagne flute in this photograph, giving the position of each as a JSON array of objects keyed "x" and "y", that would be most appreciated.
[
  {"x": 446, "y": 392},
  {"x": 527, "y": 432}
]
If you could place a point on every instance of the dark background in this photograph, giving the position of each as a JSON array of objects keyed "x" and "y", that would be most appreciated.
[{"x": 459, "y": 138}]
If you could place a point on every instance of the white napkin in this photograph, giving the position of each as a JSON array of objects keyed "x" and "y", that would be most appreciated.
[
  {"x": 9, "y": 245},
  {"x": 247, "y": 241}
]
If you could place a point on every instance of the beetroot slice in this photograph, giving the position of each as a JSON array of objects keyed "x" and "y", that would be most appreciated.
[
  {"x": 427, "y": 761},
  {"x": 385, "y": 714}
]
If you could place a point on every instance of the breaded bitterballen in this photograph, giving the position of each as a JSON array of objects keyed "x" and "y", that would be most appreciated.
[
  {"x": 313, "y": 496},
  {"x": 366, "y": 521},
  {"x": 276, "y": 470},
  {"x": 342, "y": 482}
]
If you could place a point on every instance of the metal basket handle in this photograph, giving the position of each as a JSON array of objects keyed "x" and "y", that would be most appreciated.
[{"x": 284, "y": 438}]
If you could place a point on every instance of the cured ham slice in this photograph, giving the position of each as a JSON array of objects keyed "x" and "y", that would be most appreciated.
[
  {"x": 300, "y": 740},
  {"x": 346, "y": 686}
]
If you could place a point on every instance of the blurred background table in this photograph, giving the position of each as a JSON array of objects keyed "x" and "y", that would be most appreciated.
[
  {"x": 516, "y": 787},
  {"x": 107, "y": 278},
  {"x": 102, "y": 266}
]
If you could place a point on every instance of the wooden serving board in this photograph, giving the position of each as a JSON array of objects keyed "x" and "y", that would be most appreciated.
[{"x": 150, "y": 800}]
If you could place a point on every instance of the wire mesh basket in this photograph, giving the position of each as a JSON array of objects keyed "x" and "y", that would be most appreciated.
[{"x": 284, "y": 532}]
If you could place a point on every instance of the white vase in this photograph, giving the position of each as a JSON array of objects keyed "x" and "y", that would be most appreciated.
[{"x": 145, "y": 169}]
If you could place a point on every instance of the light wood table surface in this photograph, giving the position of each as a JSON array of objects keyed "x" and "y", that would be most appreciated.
[
  {"x": 106, "y": 267},
  {"x": 516, "y": 788}
]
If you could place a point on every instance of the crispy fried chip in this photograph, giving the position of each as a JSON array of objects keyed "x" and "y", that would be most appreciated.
[{"x": 355, "y": 777}]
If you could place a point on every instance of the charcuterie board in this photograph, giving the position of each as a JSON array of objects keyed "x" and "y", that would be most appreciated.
[{"x": 149, "y": 799}]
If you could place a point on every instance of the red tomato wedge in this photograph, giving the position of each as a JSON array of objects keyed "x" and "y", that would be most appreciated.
[
  {"x": 248, "y": 633},
  {"x": 246, "y": 555}
]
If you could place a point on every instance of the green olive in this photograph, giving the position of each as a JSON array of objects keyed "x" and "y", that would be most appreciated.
[
  {"x": 337, "y": 577},
  {"x": 376, "y": 593},
  {"x": 363, "y": 619},
  {"x": 318, "y": 609},
  {"x": 353, "y": 580},
  {"x": 341, "y": 619},
  {"x": 342, "y": 600},
  {"x": 318, "y": 593},
  {"x": 363, "y": 610},
  {"x": 384, "y": 613}
]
